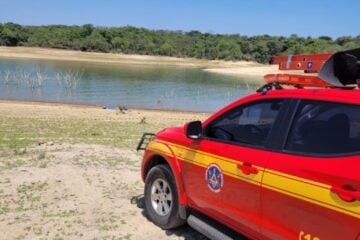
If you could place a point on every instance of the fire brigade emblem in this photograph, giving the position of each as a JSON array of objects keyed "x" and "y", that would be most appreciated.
[{"x": 214, "y": 177}]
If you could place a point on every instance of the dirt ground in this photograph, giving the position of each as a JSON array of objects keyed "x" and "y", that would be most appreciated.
[{"x": 65, "y": 175}]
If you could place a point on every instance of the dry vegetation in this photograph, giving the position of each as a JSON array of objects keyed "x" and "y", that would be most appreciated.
[{"x": 69, "y": 172}]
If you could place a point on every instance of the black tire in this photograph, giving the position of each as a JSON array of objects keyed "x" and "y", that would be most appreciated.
[{"x": 161, "y": 210}]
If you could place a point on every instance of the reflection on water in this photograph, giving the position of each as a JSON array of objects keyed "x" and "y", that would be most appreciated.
[{"x": 176, "y": 88}]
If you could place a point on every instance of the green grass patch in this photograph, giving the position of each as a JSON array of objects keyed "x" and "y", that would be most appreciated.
[{"x": 17, "y": 135}]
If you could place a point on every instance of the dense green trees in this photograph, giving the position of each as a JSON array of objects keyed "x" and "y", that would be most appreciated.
[{"x": 132, "y": 40}]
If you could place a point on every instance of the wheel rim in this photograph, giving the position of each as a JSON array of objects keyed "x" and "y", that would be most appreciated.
[{"x": 161, "y": 197}]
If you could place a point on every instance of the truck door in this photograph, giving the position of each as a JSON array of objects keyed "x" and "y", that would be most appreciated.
[
  {"x": 311, "y": 189},
  {"x": 222, "y": 172}
]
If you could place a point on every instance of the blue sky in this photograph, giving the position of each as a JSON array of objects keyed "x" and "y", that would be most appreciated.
[{"x": 314, "y": 18}]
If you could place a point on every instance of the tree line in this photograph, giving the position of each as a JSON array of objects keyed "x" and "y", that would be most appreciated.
[{"x": 132, "y": 40}]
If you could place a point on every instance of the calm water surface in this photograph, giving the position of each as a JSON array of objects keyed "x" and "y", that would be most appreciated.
[{"x": 175, "y": 88}]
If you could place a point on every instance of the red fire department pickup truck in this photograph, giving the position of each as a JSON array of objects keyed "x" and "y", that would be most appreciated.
[{"x": 278, "y": 164}]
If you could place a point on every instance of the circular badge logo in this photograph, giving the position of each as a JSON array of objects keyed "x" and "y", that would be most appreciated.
[
  {"x": 214, "y": 177},
  {"x": 309, "y": 65}
]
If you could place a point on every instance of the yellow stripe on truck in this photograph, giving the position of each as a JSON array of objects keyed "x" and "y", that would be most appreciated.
[
  {"x": 316, "y": 193},
  {"x": 204, "y": 159},
  {"x": 300, "y": 188},
  {"x": 156, "y": 146}
]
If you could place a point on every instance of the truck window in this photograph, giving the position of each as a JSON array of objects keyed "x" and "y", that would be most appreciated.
[
  {"x": 325, "y": 128},
  {"x": 248, "y": 124}
]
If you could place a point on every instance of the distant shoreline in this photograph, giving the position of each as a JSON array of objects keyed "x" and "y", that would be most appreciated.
[{"x": 253, "y": 71}]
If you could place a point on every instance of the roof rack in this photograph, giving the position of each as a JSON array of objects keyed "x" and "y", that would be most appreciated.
[
  {"x": 268, "y": 87},
  {"x": 335, "y": 70}
]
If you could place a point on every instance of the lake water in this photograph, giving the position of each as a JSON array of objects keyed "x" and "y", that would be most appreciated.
[{"x": 138, "y": 86}]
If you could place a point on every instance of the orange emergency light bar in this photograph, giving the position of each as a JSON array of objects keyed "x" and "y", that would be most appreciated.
[{"x": 296, "y": 80}]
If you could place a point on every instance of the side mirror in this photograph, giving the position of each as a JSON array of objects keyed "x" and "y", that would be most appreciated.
[{"x": 193, "y": 130}]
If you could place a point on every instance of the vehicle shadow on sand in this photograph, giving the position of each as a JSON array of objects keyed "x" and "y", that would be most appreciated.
[{"x": 185, "y": 231}]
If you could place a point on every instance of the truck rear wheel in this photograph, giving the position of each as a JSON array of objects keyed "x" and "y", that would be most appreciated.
[{"x": 161, "y": 198}]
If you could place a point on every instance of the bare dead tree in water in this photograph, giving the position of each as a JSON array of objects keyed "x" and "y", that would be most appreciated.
[
  {"x": 34, "y": 78},
  {"x": 7, "y": 76},
  {"x": 40, "y": 76},
  {"x": 25, "y": 77},
  {"x": 69, "y": 79}
]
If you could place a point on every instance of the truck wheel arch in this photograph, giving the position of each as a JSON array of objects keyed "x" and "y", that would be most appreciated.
[{"x": 156, "y": 159}]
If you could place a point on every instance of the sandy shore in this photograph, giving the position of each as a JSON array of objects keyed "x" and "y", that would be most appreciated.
[
  {"x": 236, "y": 68},
  {"x": 70, "y": 171}
]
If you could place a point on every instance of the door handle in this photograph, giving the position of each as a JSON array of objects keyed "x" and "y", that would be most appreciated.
[
  {"x": 346, "y": 193},
  {"x": 247, "y": 168}
]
